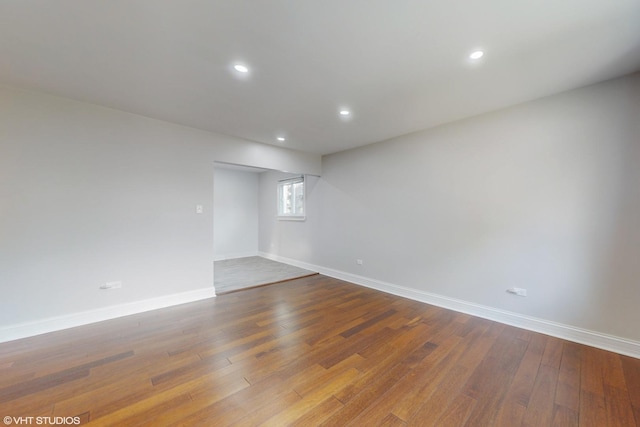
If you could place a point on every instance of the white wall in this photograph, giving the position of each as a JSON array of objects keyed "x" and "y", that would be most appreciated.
[
  {"x": 544, "y": 196},
  {"x": 294, "y": 238},
  {"x": 235, "y": 219},
  {"x": 90, "y": 195}
]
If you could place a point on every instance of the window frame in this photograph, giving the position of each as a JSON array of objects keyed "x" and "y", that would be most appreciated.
[{"x": 279, "y": 202}]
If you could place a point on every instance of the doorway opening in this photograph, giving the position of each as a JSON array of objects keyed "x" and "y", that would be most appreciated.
[{"x": 244, "y": 199}]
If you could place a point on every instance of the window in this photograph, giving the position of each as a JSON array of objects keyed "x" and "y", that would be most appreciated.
[{"x": 291, "y": 198}]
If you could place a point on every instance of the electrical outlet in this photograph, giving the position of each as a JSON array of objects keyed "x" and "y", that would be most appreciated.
[
  {"x": 359, "y": 262},
  {"x": 521, "y": 292},
  {"x": 111, "y": 285}
]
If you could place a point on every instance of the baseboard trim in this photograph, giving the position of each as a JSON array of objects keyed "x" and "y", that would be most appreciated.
[
  {"x": 235, "y": 255},
  {"x": 52, "y": 324},
  {"x": 571, "y": 333}
]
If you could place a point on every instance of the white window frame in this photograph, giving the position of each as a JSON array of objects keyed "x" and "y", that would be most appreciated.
[{"x": 281, "y": 215}]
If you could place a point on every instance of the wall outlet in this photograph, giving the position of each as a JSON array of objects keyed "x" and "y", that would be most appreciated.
[
  {"x": 359, "y": 262},
  {"x": 521, "y": 292},
  {"x": 112, "y": 285},
  {"x": 199, "y": 209}
]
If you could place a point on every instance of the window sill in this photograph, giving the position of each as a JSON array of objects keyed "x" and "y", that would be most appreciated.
[{"x": 291, "y": 218}]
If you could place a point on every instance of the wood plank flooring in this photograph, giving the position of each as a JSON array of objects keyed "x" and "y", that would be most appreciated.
[{"x": 309, "y": 352}]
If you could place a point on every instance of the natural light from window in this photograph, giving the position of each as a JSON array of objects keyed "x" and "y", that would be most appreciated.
[{"x": 291, "y": 198}]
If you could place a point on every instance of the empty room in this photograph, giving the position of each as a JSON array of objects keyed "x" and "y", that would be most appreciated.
[{"x": 452, "y": 189}]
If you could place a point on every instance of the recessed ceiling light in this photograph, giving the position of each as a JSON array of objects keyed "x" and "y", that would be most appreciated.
[
  {"x": 477, "y": 54},
  {"x": 345, "y": 112},
  {"x": 241, "y": 68},
  {"x": 281, "y": 139}
]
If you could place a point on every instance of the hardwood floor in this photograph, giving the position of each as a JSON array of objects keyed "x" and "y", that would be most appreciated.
[{"x": 314, "y": 351}]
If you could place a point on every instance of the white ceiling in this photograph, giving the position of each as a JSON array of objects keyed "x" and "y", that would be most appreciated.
[{"x": 399, "y": 65}]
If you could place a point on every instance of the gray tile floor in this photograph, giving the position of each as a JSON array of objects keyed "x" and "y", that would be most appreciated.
[{"x": 239, "y": 273}]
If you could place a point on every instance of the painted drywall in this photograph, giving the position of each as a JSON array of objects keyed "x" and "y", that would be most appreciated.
[
  {"x": 235, "y": 213},
  {"x": 543, "y": 196},
  {"x": 90, "y": 195},
  {"x": 282, "y": 236}
]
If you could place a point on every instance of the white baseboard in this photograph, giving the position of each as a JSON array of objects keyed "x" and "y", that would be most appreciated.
[
  {"x": 567, "y": 332},
  {"x": 29, "y": 329},
  {"x": 235, "y": 255}
]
